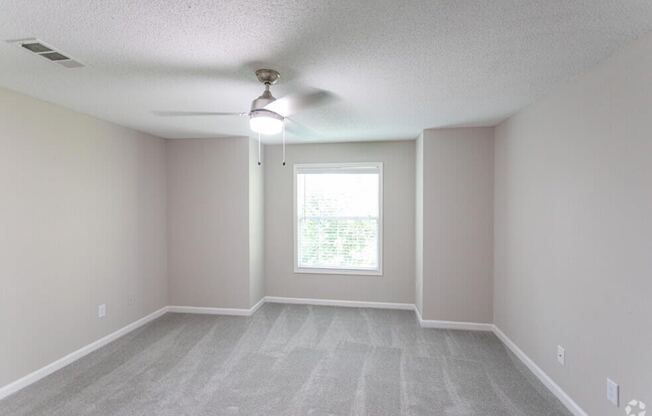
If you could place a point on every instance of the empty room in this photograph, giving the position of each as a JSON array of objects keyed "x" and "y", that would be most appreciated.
[{"x": 325, "y": 208}]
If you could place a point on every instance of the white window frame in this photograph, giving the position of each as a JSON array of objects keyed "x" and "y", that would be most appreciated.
[{"x": 302, "y": 167}]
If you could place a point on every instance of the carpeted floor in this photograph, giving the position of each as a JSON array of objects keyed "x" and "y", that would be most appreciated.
[{"x": 291, "y": 360}]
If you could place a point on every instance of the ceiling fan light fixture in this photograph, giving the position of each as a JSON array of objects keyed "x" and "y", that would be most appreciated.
[{"x": 265, "y": 122}]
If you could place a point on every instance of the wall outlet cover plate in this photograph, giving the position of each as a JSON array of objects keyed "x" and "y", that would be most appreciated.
[{"x": 612, "y": 392}]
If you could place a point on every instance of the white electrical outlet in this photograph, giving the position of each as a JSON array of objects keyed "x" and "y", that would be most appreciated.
[
  {"x": 101, "y": 311},
  {"x": 612, "y": 392},
  {"x": 561, "y": 355}
]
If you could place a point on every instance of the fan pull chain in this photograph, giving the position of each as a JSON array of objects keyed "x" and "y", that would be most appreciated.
[
  {"x": 284, "y": 142},
  {"x": 258, "y": 149}
]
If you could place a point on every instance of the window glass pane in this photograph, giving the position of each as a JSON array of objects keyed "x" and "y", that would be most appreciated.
[
  {"x": 338, "y": 243},
  {"x": 337, "y": 194},
  {"x": 338, "y": 219}
]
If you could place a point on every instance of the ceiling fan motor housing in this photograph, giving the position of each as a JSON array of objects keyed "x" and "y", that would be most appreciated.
[
  {"x": 267, "y": 77},
  {"x": 260, "y": 102}
]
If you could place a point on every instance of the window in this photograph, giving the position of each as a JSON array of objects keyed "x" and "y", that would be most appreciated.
[{"x": 338, "y": 218}]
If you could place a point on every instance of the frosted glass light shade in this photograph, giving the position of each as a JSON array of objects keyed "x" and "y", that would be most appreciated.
[{"x": 266, "y": 122}]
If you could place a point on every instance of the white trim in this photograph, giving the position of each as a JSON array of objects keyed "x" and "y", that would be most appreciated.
[
  {"x": 341, "y": 272},
  {"x": 254, "y": 308},
  {"x": 345, "y": 303},
  {"x": 566, "y": 400},
  {"x": 217, "y": 311},
  {"x": 210, "y": 311},
  {"x": 75, "y": 355},
  {"x": 37, "y": 375},
  {"x": 348, "y": 166},
  {"x": 465, "y": 326}
]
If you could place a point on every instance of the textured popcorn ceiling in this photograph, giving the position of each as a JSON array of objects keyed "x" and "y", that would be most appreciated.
[{"x": 397, "y": 67}]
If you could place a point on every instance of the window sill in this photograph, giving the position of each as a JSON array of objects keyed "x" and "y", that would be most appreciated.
[{"x": 341, "y": 272}]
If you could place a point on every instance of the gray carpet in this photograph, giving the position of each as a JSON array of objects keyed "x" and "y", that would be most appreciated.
[{"x": 291, "y": 360}]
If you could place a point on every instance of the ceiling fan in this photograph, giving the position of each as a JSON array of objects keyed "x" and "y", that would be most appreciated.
[{"x": 268, "y": 114}]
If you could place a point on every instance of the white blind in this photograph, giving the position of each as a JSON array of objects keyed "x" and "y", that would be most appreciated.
[{"x": 338, "y": 217}]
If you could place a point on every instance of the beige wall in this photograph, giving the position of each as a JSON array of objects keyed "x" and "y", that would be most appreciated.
[
  {"x": 457, "y": 197},
  {"x": 573, "y": 231},
  {"x": 418, "y": 220},
  {"x": 208, "y": 222},
  {"x": 397, "y": 282},
  {"x": 82, "y": 222}
]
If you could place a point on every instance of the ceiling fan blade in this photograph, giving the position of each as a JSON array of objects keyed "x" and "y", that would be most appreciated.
[
  {"x": 292, "y": 103},
  {"x": 195, "y": 113},
  {"x": 299, "y": 130}
]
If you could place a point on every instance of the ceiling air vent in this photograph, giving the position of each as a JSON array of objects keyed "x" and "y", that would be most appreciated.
[
  {"x": 36, "y": 47},
  {"x": 39, "y": 48},
  {"x": 54, "y": 56}
]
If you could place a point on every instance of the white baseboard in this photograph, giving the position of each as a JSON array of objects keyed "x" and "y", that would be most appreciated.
[
  {"x": 257, "y": 306},
  {"x": 465, "y": 326},
  {"x": 345, "y": 303},
  {"x": 217, "y": 311},
  {"x": 37, "y": 375},
  {"x": 210, "y": 311},
  {"x": 76, "y": 355},
  {"x": 570, "y": 404}
]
